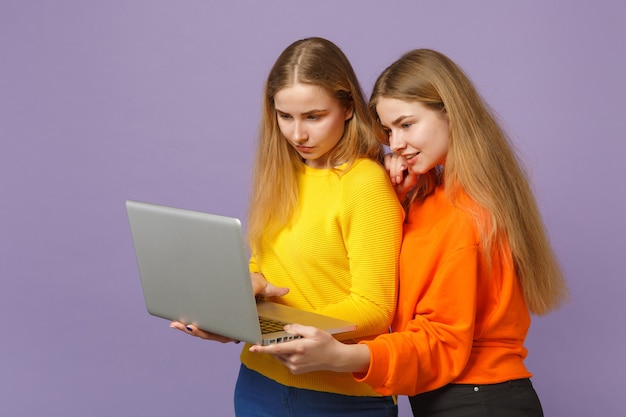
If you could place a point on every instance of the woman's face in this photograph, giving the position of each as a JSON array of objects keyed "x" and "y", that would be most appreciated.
[
  {"x": 416, "y": 132},
  {"x": 312, "y": 121}
]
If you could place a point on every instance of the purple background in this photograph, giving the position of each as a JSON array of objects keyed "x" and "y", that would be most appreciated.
[{"x": 159, "y": 100}]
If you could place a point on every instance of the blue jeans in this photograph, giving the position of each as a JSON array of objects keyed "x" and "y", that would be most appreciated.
[
  {"x": 515, "y": 398},
  {"x": 259, "y": 396}
]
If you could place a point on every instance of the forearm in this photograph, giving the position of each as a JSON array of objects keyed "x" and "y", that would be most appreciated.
[
  {"x": 317, "y": 351},
  {"x": 352, "y": 358}
]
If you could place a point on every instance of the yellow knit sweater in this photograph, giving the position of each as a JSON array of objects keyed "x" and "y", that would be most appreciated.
[{"x": 339, "y": 257}]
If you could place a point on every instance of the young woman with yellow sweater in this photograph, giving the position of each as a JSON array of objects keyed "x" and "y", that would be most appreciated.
[
  {"x": 475, "y": 260},
  {"x": 325, "y": 223}
]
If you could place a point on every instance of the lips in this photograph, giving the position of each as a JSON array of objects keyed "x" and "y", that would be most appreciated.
[
  {"x": 410, "y": 156},
  {"x": 305, "y": 149}
]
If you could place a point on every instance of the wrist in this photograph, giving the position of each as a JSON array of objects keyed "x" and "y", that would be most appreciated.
[{"x": 352, "y": 358}]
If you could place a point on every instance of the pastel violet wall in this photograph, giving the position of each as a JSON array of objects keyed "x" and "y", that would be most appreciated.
[{"x": 159, "y": 101}]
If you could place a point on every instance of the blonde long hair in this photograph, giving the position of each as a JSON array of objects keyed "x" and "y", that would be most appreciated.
[
  {"x": 274, "y": 194},
  {"x": 482, "y": 164}
]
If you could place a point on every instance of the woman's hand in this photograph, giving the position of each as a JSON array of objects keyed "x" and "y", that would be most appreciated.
[
  {"x": 192, "y": 330},
  {"x": 263, "y": 288},
  {"x": 317, "y": 350},
  {"x": 402, "y": 177},
  {"x": 260, "y": 286}
]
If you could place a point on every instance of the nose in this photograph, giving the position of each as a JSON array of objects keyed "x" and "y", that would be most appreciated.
[
  {"x": 395, "y": 143},
  {"x": 300, "y": 134}
]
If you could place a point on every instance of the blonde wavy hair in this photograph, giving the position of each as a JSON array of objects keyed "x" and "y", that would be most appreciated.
[
  {"x": 274, "y": 194},
  {"x": 481, "y": 163}
]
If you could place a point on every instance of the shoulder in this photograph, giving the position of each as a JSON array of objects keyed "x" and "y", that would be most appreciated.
[
  {"x": 366, "y": 164},
  {"x": 366, "y": 186},
  {"x": 367, "y": 177},
  {"x": 439, "y": 213},
  {"x": 365, "y": 171}
]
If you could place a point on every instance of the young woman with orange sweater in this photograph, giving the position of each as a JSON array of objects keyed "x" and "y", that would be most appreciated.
[{"x": 475, "y": 260}]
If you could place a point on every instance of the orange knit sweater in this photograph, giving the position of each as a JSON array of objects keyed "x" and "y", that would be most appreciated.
[{"x": 458, "y": 319}]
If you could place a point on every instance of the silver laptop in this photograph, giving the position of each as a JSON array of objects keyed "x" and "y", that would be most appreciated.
[{"x": 193, "y": 268}]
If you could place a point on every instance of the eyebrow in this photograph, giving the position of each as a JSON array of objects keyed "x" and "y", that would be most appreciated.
[
  {"x": 305, "y": 113},
  {"x": 398, "y": 120}
]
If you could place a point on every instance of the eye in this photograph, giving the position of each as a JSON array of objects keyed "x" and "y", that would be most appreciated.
[
  {"x": 284, "y": 116},
  {"x": 406, "y": 125}
]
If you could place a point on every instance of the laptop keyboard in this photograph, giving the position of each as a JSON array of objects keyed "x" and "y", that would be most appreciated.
[{"x": 271, "y": 325}]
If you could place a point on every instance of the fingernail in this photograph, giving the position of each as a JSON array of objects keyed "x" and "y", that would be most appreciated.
[
  {"x": 237, "y": 342},
  {"x": 189, "y": 329}
]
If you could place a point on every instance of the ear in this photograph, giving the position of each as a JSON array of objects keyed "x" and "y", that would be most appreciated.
[{"x": 349, "y": 112}]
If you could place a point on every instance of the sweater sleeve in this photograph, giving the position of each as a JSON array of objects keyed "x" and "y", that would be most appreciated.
[
  {"x": 371, "y": 224},
  {"x": 435, "y": 345},
  {"x": 253, "y": 265}
]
